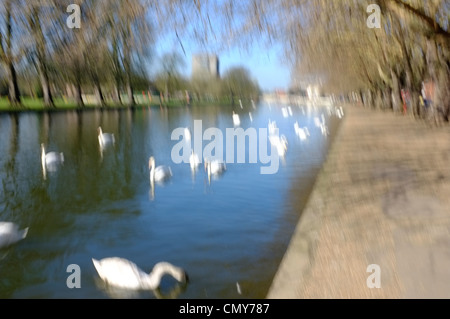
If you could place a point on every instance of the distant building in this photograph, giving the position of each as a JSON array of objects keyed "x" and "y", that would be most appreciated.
[{"x": 205, "y": 65}]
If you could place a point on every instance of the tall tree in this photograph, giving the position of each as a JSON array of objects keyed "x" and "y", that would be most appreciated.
[
  {"x": 38, "y": 15},
  {"x": 6, "y": 53},
  {"x": 131, "y": 33}
]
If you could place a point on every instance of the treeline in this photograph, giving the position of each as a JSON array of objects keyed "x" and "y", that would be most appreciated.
[
  {"x": 236, "y": 83},
  {"x": 402, "y": 64},
  {"x": 391, "y": 66},
  {"x": 43, "y": 55}
]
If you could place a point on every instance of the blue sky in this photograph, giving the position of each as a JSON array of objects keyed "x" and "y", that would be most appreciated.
[{"x": 265, "y": 64}]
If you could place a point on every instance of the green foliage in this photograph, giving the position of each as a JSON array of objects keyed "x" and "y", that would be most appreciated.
[{"x": 237, "y": 82}]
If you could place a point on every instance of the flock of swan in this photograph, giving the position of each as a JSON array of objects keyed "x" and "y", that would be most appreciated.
[
  {"x": 114, "y": 271},
  {"x": 303, "y": 133},
  {"x": 120, "y": 272}
]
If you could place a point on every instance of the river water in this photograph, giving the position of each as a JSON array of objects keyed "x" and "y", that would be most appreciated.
[{"x": 229, "y": 234}]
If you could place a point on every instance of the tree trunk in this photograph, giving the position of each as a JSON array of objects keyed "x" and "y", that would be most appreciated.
[
  {"x": 78, "y": 80},
  {"x": 13, "y": 93},
  {"x": 361, "y": 97},
  {"x": 129, "y": 87},
  {"x": 38, "y": 36},
  {"x": 442, "y": 94},
  {"x": 440, "y": 81},
  {"x": 379, "y": 99},
  {"x": 116, "y": 94},
  {"x": 368, "y": 101},
  {"x": 387, "y": 98},
  {"x": 48, "y": 98},
  {"x": 131, "y": 101},
  {"x": 117, "y": 72},
  {"x": 396, "y": 95},
  {"x": 166, "y": 92},
  {"x": 79, "y": 95},
  {"x": 99, "y": 94},
  {"x": 415, "y": 104},
  {"x": 127, "y": 66}
]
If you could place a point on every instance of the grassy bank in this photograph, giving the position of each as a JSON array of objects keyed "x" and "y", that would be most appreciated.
[{"x": 37, "y": 105}]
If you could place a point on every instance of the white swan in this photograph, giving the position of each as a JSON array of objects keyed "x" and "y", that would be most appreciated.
[
  {"x": 317, "y": 121},
  {"x": 122, "y": 273},
  {"x": 160, "y": 173},
  {"x": 290, "y": 111},
  {"x": 187, "y": 134},
  {"x": 236, "y": 120},
  {"x": 105, "y": 139},
  {"x": 50, "y": 161},
  {"x": 194, "y": 161},
  {"x": 214, "y": 168},
  {"x": 280, "y": 143},
  {"x": 302, "y": 132},
  {"x": 10, "y": 234},
  {"x": 324, "y": 129},
  {"x": 272, "y": 127}
]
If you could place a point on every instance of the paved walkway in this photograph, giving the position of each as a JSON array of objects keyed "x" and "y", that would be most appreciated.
[{"x": 382, "y": 197}]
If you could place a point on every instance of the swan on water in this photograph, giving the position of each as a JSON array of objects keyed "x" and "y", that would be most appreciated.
[
  {"x": 105, "y": 139},
  {"x": 158, "y": 173},
  {"x": 50, "y": 161},
  {"x": 187, "y": 134},
  {"x": 290, "y": 111},
  {"x": 194, "y": 161},
  {"x": 280, "y": 143},
  {"x": 272, "y": 127},
  {"x": 214, "y": 168},
  {"x": 317, "y": 121},
  {"x": 122, "y": 273},
  {"x": 11, "y": 234},
  {"x": 302, "y": 132},
  {"x": 236, "y": 120}
]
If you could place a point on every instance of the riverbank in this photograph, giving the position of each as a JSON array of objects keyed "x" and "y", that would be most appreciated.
[
  {"x": 37, "y": 105},
  {"x": 381, "y": 198}
]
